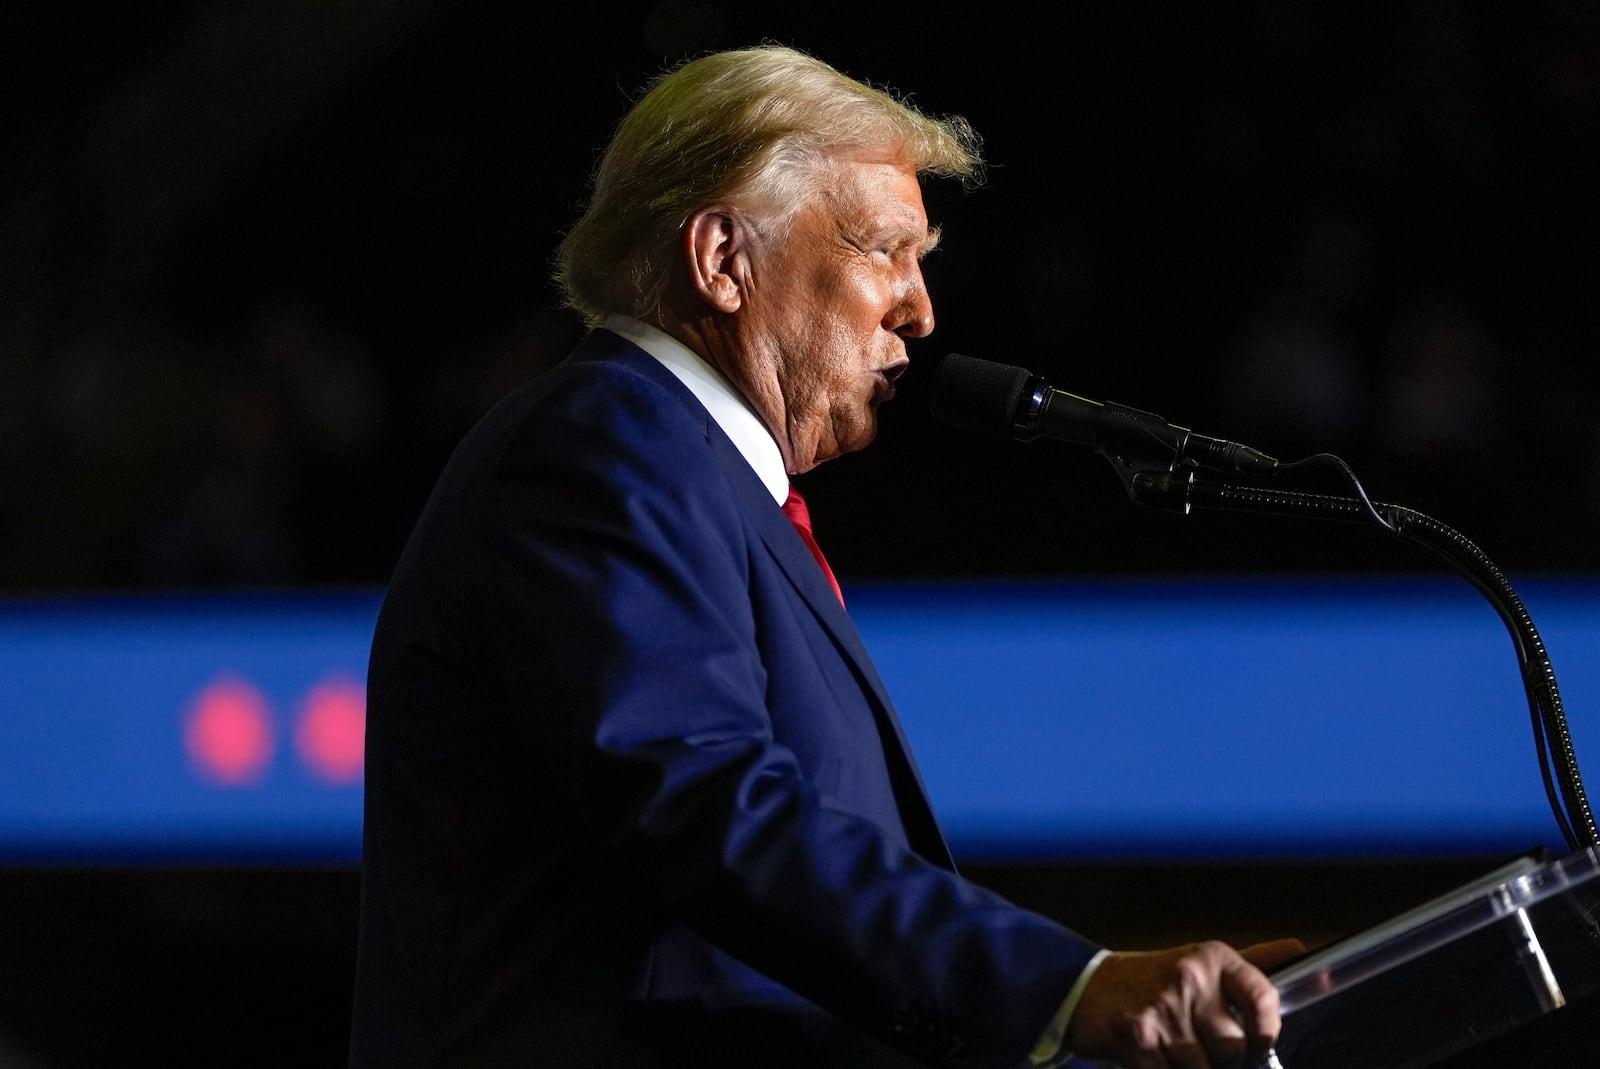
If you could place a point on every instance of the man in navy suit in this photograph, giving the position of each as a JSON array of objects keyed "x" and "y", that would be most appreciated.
[{"x": 635, "y": 793}]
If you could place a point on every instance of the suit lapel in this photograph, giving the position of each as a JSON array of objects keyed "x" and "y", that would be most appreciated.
[
  {"x": 784, "y": 543},
  {"x": 774, "y": 527},
  {"x": 797, "y": 564},
  {"x": 792, "y": 555}
]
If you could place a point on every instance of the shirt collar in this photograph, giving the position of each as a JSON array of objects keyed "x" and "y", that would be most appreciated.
[{"x": 725, "y": 404}]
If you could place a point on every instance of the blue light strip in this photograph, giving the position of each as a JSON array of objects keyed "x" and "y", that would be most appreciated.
[
  {"x": 1240, "y": 719},
  {"x": 1196, "y": 719}
]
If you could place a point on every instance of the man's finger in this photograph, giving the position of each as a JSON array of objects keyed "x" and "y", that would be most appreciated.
[
  {"x": 1255, "y": 1001},
  {"x": 1270, "y": 955}
]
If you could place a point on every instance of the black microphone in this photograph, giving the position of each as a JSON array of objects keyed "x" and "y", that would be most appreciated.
[{"x": 1012, "y": 402}]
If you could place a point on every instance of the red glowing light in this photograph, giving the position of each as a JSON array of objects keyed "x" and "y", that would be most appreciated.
[
  {"x": 331, "y": 734},
  {"x": 229, "y": 732}
]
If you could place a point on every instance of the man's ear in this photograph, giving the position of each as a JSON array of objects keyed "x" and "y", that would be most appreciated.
[{"x": 718, "y": 244}]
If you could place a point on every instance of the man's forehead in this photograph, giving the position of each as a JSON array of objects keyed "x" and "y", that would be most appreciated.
[{"x": 882, "y": 193}]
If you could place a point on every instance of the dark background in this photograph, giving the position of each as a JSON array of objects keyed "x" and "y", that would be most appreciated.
[
  {"x": 262, "y": 263},
  {"x": 265, "y": 262}
]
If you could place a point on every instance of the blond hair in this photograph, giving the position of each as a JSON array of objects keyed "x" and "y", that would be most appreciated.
[{"x": 752, "y": 127}]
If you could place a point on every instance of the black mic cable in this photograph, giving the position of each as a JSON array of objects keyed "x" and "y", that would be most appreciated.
[{"x": 1157, "y": 461}]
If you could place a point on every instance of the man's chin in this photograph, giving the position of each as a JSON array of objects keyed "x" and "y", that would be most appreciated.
[
  {"x": 858, "y": 442},
  {"x": 856, "y": 438},
  {"x": 854, "y": 441}
]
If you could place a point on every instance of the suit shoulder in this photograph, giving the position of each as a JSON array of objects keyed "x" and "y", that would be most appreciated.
[{"x": 587, "y": 402}]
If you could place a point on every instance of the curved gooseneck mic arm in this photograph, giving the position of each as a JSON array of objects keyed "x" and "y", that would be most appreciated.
[{"x": 1182, "y": 491}]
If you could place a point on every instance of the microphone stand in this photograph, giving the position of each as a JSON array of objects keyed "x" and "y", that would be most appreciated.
[{"x": 1181, "y": 491}]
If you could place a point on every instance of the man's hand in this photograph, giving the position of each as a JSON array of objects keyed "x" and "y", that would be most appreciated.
[{"x": 1201, "y": 1006}]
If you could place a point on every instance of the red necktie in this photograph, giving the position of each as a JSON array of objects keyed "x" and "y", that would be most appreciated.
[{"x": 800, "y": 516}]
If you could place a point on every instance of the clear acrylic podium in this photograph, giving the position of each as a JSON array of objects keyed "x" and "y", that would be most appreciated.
[{"x": 1437, "y": 980}]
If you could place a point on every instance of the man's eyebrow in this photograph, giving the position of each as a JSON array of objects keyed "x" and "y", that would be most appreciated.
[{"x": 896, "y": 237}]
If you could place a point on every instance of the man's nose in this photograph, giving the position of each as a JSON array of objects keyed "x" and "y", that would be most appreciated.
[{"x": 912, "y": 315}]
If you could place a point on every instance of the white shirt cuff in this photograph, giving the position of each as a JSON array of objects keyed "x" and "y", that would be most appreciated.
[{"x": 1048, "y": 1052}]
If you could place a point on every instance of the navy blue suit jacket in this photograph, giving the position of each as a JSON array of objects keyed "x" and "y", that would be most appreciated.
[{"x": 635, "y": 794}]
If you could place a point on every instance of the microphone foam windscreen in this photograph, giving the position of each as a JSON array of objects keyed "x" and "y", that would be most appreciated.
[{"x": 978, "y": 395}]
